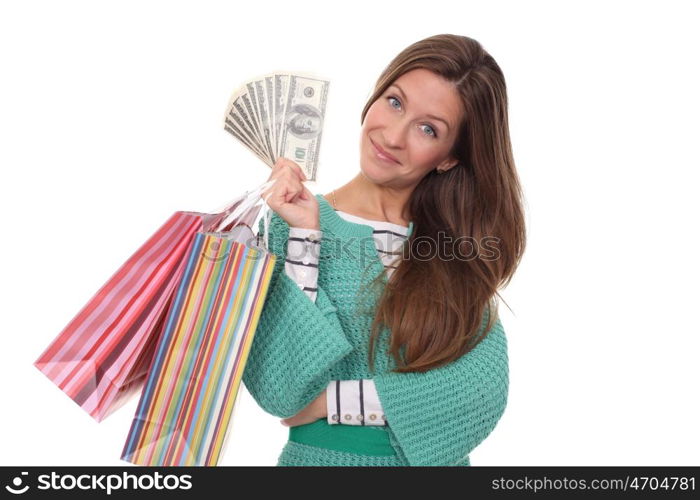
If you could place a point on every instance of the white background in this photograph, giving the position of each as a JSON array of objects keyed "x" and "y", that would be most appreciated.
[{"x": 111, "y": 120}]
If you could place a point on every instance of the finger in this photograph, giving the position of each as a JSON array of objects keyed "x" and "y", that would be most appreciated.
[
  {"x": 295, "y": 168},
  {"x": 294, "y": 190},
  {"x": 299, "y": 171},
  {"x": 280, "y": 162},
  {"x": 271, "y": 184},
  {"x": 274, "y": 191},
  {"x": 265, "y": 195},
  {"x": 280, "y": 191},
  {"x": 292, "y": 194},
  {"x": 306, "y": 193}
]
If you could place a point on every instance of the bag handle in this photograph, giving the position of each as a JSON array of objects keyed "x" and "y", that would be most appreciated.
[
  {"x": 244, "y": 211},
  {"x": 214, "y": 221}
]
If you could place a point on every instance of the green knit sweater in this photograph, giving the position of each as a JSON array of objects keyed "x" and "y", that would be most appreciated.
[{"x": 433, "y": 418}]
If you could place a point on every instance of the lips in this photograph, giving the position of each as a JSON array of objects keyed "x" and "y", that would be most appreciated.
[{"x": 384, "y": 153}]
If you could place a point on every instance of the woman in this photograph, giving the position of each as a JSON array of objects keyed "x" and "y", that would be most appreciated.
[{"x": 415, "y": 372}]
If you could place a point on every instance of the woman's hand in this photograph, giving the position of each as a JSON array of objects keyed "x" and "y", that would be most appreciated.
[
  {"x": 290, "y": 198},
  {"x": 315, "y": 410}
]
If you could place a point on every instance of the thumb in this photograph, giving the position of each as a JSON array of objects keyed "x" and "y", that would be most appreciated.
[{"x": 306, "y": 194}]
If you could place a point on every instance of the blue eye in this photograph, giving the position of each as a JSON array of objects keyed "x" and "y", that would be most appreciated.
[{"x": 433, "y": 132}]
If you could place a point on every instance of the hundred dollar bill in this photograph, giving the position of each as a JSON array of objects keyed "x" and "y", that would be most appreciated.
[
  {"x": 301, "y": 124},
  {"x": 250, "y": 103},
  {"x": 235, "y": 131},
  {"x": 241, "y": 110},
  {"x": 280, "y": 114},
  {"x": 269, "y": 86},
  {"x": 235, "y": 121},
  {"x": 264, "y": 117},
  {"x": 280, "y": 85}
]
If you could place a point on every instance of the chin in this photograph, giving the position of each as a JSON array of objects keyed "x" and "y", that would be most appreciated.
[{"x": 376, "y": 174}]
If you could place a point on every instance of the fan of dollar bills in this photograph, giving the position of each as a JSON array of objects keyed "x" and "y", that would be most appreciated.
[{"x": 280, "y": 115}]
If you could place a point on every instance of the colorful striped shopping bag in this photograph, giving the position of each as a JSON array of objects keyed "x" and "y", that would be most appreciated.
[
  {"x": 183, "y": 417},
  {"x": 102, "y": 355}
]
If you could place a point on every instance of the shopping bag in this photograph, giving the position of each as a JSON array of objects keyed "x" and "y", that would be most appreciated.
[
  {"x": 101, "y": 357},
  {"x": 186, "y": 407}
]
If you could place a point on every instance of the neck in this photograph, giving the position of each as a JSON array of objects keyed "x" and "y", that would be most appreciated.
[
  {"x": 366, "y": 199},
  {"x": 339, "y": 225}
]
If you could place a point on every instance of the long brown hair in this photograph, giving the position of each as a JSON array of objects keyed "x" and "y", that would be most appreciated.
[{"x": 435, "y": 308}]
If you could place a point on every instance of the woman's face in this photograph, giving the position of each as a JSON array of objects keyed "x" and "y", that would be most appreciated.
[{"x": 416, "y": 121}]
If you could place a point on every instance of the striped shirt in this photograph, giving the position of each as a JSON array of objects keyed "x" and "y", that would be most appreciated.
[{"x": 350, "y": 402}]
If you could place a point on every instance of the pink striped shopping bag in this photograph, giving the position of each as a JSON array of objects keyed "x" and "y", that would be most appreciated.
[
  {"x": 102, "y": 355},
  {"x": 185, "y": 411}
]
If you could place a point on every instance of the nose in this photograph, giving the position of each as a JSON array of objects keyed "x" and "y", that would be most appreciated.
[{"x": 395, "y": 134}]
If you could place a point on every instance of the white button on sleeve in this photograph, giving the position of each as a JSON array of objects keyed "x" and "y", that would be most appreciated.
[
  {"x": 372, "y": 405},
  {"x": 332, "y": 403},
  {"x": 353, "y": 402},
  {"x": 301, "y": 265}
]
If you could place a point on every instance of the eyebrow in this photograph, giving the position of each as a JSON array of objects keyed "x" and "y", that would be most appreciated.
[{"x": 429, "y": 116}]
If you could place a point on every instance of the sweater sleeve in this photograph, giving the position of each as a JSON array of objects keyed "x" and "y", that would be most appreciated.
[
  {"x": 436, "y": 418},
  {"x": 350, "y": 402},
  {"x": 296, "y": 341}
]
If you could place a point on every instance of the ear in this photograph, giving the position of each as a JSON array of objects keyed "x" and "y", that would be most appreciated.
[{"x": 447, "y": 164}]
